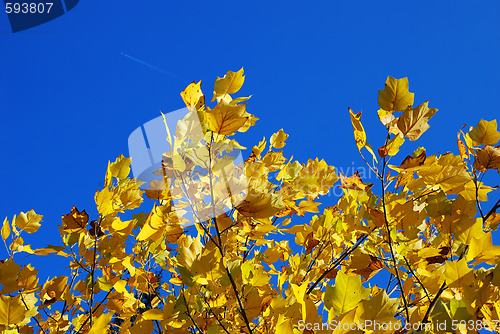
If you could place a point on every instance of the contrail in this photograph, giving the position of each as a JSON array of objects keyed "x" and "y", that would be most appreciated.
[{"x": 154, "y": 67}]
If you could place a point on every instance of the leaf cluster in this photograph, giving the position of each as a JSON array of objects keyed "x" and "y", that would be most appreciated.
[{"x": 226, "y": 254}]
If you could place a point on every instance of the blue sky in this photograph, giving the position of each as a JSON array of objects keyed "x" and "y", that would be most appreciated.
[{"x": 69, "y": 98}]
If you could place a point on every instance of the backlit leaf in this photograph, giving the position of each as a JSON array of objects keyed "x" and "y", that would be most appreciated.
[
  {"x": 29, "y": 222},
  {"x": 5, "y": 229},
  {"x": 487, "y": 158},
  {"x": 359, "y": 133},
  {"x": 395, "y": 96},
  {"x": 193, "y": 96},
  {"x": 458, "y": 274},
  {"x": 226, "y": 119},
  {"x": 413, "y": 122},
  {"x": 229, "y": 84},
  {"x": 354, "y": 182},
  {"x": 101, "y": 324},
  {"x": 345, "y": 294},
  {"x": 278, "y": 139},
  {"x": 485, "y": 133},
  {"x": 12, "y": 310},
  {"x": 75, "y": 221},
  {"x": 121, "y": 167}
]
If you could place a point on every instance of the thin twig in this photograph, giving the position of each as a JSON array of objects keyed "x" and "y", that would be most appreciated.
[
  {"x": 231, "y": 279},
  {"x": 189, "y": 313},
  {"x": 94, "y": 310},
  {"x": 27, "y": 309},
  {"x": 416, "y": 277},
  {"x": 338, "y": 261},
  {"x": 389, "y": 239},
  {"x": 97, "y": 227}
]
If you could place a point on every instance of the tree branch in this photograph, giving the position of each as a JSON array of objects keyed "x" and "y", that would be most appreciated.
[
  {"x": 389, "y": 239},
  {"x": 221, "y": 250},
  {"x": 338, "y": 261}
]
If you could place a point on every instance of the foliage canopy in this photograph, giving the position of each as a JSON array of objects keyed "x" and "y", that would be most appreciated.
[{"x": 252, "y": 268}]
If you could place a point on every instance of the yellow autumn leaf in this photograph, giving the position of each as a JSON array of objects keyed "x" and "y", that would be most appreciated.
[
  {"x": 12, "y": 310},
  {"x": 75, "y": 221},
  {"x": 278, "y": 139},
  {"x": 309, "y": 312},
  {"x": 379, "y": 308},
  {"x": 395, "y": 96},
  {"x": 345, "y": 294},
  {"x": 457, "y": 274},
  {"x": 29, "y": 222},
  {"x": 9, "y": 271},
  {"x": 121, "y": 167},
  {"x": 128, "y": 263},
  {"x": 229, "y": 84},
  {"x": 153, "y": 314},
  {"x": 413, "y": 122},
  {"x": 260, "y": 205},
  {"x": 193, "y": 96},
  {"x": 120, "y": 286},
  {"x": 359, "y": 133},
  {"x": 461, "y": 147},
  {"x": 106, "y": 201},
  {"x": 482, "y": 249},
  {"x": 485, "y": 133},
  {"x": 5, "y": 229},
  {"x": 487, "y": 158},
  {"x": 284, "y": 325},
  {"x": 394, "y": 144},
  {"x": 154, "y": 226},
  {"x": 101, "y": 324},
  {"x": 354, "y": 182},
  {"x": 225, "y": 118}
]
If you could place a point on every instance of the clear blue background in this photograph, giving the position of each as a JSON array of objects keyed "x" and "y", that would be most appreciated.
[{"x": 69, "y": 99}]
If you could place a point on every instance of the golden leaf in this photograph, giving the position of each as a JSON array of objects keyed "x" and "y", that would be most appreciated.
[
  {"x": 12, "y": 310},
  {"x": 346, "y": 294},
  {"x": 487, "y": 158},
  {"x": 29, "y": 222},
  {"x": 485, "y": 133},
  {"x": 413, "y": 122},
  {"x": 354, "y": 182},
  {"x": 153, "y": 314},
  {"x": 394, "y": 144},
  {"x": 411, "y": 162},
  {"x": 226, "y": 119},
  {"x": 9, "y": 272},
  {"x": 121, "y": 167},
  {"x": 101, "y": 324},
  {"x": 458, "y": 274},
  {"x": 229, "y": 84},
  {"x": 193, "y": 96},
  {"x": 395, "y": 96},
  {"x": 278, "y": 139},
  {"x": 359, "y": 133},
  {"x": 461, "y": 147},
  {"x": 259, "y": 205},
  {"x": 75, "y": 221},
  {"x": 379, "y": 308},
  {"x": 5, "y": 229}
]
